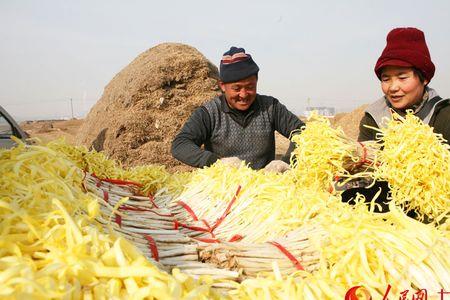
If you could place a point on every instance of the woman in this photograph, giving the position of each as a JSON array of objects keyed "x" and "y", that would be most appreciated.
[{"x": 405, "y": 69}]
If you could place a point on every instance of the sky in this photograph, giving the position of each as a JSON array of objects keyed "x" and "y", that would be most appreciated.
[{"x": 319, "y": 53}]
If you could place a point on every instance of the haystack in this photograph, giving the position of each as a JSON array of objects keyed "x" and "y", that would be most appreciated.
[
  {"x": 145, "y": 105},
  {"x": 349, "y": 122}
]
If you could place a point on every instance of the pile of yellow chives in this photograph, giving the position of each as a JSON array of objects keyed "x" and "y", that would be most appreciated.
[
  {"x": 416, "y": 163},
  {"x": 50, "y": 246},
  {"x": 152, "y": 177}
]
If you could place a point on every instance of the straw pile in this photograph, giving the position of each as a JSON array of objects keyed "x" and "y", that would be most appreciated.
[{"x": 146, "y": 103}]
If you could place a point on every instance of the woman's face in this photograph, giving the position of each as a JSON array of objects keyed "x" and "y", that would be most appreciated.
[{"x": 402, "y": 86}]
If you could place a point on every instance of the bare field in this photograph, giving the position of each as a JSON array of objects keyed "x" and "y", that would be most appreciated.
[{"x": 48, "y": 130}]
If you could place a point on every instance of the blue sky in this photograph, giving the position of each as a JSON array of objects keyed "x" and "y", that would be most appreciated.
[{"x": 52, "y": 51}]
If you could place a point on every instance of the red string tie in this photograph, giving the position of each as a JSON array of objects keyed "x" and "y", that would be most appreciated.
[
  {"x": 188, "y": 209},
  {"x": 289, "y": 255},
  {"x": 363, "y": 158},
  {"x": 152, "y": 200},
  {"x": 152, "y": 246},
  {"x": 227, "y": 210},
  {"x": 106, "y": 196},
  {"x": 118, "y": 219},
  {"x": 206, "y": 240},
  {"x": 236, "y": 238}
]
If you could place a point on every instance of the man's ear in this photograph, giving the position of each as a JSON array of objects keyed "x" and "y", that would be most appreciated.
[{"x": 222, "y": 85}]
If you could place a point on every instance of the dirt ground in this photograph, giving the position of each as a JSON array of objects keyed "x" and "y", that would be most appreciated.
[{"x": 48, "y": 130}]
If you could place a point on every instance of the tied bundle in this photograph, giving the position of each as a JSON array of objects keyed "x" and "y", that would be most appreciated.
[
  {"x": 299, "y": 250},
  {"x": 149, "y": 225},
  {"x": 323, "y": 154},
  {"x": 373, "y": 250},
  {"x": 225, "y": 202},
  {"x": 416, "y": 163},
  {"x": 149, "y": 178}
]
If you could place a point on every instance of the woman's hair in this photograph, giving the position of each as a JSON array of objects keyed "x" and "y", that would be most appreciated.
[{"x": 420, "y": 75}]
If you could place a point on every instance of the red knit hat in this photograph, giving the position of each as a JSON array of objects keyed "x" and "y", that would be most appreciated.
[{"x": 406, "y": 47}]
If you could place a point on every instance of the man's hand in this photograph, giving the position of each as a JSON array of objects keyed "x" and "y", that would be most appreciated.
[
  {"x": 278, "y": 166},
  {"x": 231, "y": 161}
]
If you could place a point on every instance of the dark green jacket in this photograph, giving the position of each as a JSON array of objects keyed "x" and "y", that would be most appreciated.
[{"x": 214, "y": 131}]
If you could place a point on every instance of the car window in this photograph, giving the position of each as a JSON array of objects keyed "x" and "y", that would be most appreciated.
[{"x": 5, "y": 128}]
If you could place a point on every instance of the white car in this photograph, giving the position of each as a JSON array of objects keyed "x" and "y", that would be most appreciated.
[{"x": 8, "y": 128}]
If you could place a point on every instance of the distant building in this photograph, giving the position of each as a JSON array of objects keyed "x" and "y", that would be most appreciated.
[{"x": 321, "y": 110}]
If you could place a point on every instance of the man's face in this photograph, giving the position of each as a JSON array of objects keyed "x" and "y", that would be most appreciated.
[
  {"x": 402, "y": 87},
  {"x": 240, "y": 95}
]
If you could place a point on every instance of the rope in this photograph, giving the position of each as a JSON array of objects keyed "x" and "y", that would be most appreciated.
[
  {"x": 227, "y": 211},
  {"x": 118, "y": 220},
  {"x": 289, "y": 255},
  {"x": 209, "y": 229},
  {"x": 363, "y": 158},
  {"x": 152, "y": 246},
  {"x": 188, "y": 209},
  {"x": 236, "y": 238},
  {"x": 83, "y": 185},
  {"x": 152, "y": 200}
]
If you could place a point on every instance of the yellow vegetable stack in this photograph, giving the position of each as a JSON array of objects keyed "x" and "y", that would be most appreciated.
[
  {"x": 324, "y": 154},
  {"x": 416, "y": 163},
  {"x": 50, "y": 247},
  {"x": 373, "y": 250},
  {"x": 151, "y": 177}
]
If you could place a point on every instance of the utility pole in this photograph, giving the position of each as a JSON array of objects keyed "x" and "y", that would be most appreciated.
[{"x": 71, "y": 106}]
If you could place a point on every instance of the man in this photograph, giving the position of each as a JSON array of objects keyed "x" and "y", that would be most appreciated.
[{"x": 238, "y": 125}]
